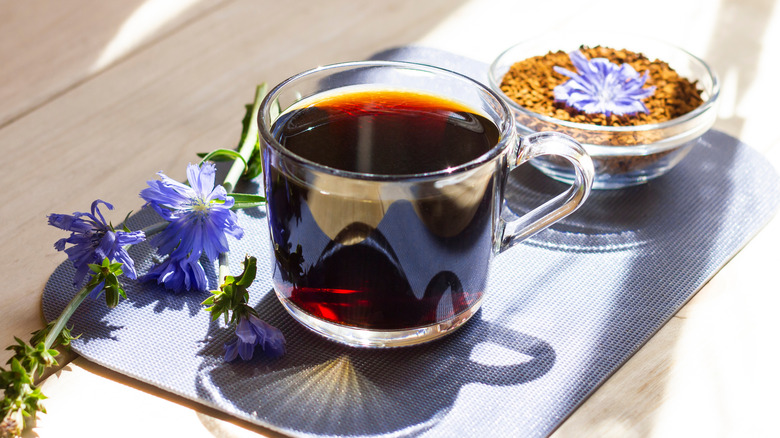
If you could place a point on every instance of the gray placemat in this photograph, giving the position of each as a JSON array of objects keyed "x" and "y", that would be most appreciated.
[{"x": 563, "y": 311}]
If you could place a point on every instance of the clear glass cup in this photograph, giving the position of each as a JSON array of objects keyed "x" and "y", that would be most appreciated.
[
  {"x": 386, "y": 260},
  {"x": 623, "y": 156}
]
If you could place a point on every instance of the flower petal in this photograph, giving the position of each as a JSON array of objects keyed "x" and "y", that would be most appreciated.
[
  {"x": 269, "y": 337},
  {"x": 95, "y": 292},
  {"x": 202, "y": 178},
  {"x": 199, "y": 217},
  {"x": 602, "y": 86},
  {"x": 245, "y": 350},
  {"x": 178, "y": 275},
  {"x": 231, "y": 350},
  {"x": 245, "y": 332},
  {"x": 96, "y": 210}
]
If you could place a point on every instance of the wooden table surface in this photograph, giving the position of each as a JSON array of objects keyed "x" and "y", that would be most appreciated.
[{"x": 96, "y": 97}]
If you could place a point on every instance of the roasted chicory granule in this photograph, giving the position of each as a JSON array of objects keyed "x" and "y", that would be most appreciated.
[{"x": 530, "y": 83}]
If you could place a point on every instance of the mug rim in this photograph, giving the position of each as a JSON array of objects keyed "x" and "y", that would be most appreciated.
[{"x": 507, "y": 130}]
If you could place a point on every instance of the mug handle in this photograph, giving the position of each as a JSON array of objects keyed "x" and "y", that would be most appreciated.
[{"x": 512, "y": 228}]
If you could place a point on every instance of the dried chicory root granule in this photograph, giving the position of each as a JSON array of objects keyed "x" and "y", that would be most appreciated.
[{"x": 530, "y": 83}]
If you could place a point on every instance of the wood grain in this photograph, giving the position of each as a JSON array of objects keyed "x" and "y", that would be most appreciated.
[
  {"x": 48, "y": 47},
  {"x": 76, "y": 124},
  {"x": 181, "y": 95}
]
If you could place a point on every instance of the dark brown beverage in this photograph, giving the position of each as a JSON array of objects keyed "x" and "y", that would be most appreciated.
[
  {"x": 386, "y": 132},
  {"x": 371, "y": 261}
]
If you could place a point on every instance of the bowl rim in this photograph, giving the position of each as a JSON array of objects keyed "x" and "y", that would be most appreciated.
[{"x": 587, "y": 38}]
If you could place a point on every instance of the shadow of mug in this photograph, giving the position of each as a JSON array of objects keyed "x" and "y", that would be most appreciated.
[
  {"x": 596, "y": 226},
  {"x": 322, "y": 387}
]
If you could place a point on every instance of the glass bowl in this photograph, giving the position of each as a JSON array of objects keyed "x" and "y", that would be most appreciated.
[{"x": 622, "y": 155}]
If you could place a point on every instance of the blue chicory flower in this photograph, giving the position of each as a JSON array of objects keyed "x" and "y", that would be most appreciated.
[
  {"x": 94, "y": 240},
  {"x": 178, "y": 275},
  {"x": 199, "y": 219},
  {"x": 253, "y": 332},
  {"x": 600, "y": 86}
]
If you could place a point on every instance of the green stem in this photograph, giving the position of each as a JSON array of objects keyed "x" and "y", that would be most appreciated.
[
  {"x": 74, "y": 303},
  {"x": 155, "y": 228},
  {"x": 224, "y": 267},
  {"x": 248, "y": 146},
  {"x": 65, "y": 316},
  {"x": 245, "y": 150}
]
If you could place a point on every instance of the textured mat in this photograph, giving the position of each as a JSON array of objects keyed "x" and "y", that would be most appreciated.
[{"x": 563, "y": 311}]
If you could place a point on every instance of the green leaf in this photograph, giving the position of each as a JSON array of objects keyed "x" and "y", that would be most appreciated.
[
  {"x": 21, "y": 373},
  {"x": 226, "y": 154},
  {"x": 63, "y": 338},
  {"x": 112, "y": 298},
  {"x": 245, "y": 123},
  {"x": 215, "y": 159},
  {"x": 40, "y": 335},
  {"x": 255, "y": 165},
  {"x": 231, "y": 299},
  {"x": 111, "y": 281},
  {"x": 124, "y": 222},
  {"x": 246, "y": 200},
  {"x": 250, "y": 272}
]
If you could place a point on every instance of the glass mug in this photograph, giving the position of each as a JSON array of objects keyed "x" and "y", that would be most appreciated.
[{"x": 385, "y": 197}]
